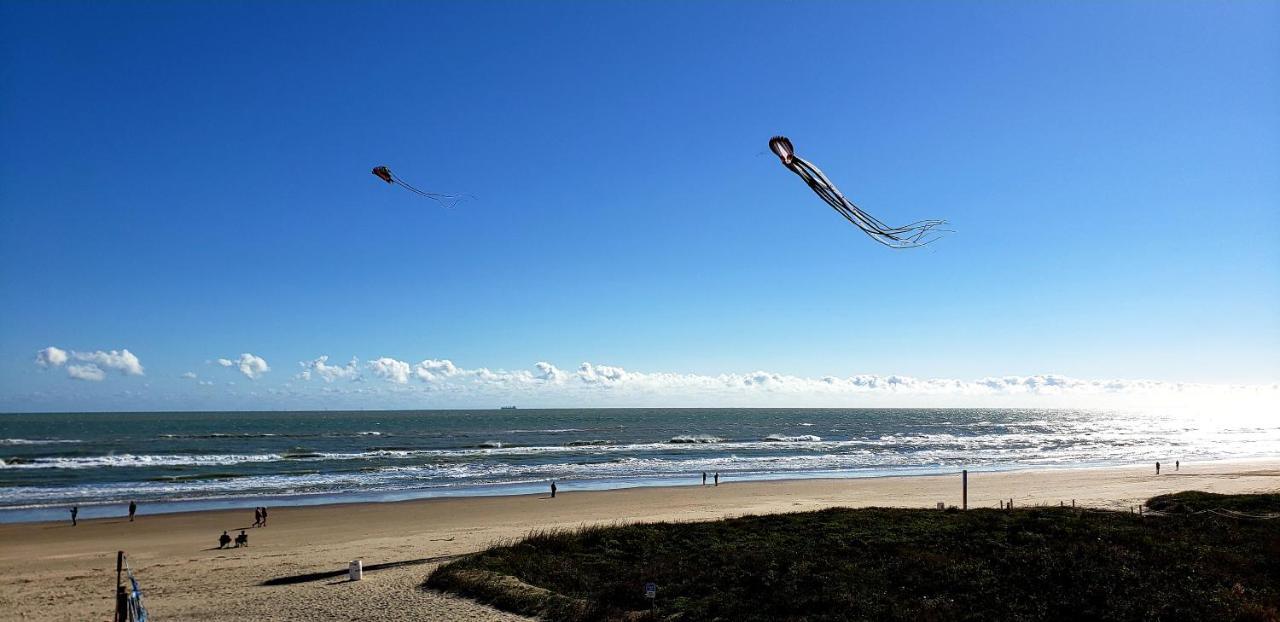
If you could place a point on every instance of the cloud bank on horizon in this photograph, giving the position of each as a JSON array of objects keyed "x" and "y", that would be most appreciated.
[{"x": 390, "y": 382}]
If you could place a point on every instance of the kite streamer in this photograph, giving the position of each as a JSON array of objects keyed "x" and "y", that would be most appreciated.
[
  {"x": 913, "y": 235},
  {"x": 447, "y": 200}
]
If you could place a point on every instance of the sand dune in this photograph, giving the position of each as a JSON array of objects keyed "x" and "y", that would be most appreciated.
[{"x": 52, "y": 571}]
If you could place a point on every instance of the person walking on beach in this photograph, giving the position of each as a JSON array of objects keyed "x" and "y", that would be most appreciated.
[
  {"x": 75, "y": 509},
  {"x": 553, "y": 490},
  {"x": 1157, "y": 468},
  {"x": 717, "y": 478},
  {"x": 1177, "y": 465},
  {"x": 257, "y": 517},
  {"x": 264, "y": 516},
  {"x": 133, "y": 509},
  {"x": 704, "y": 478},
  {"x": 224, "y": 540}
]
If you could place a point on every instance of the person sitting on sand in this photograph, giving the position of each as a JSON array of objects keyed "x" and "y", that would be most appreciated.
[
  {"x": 242, "y": 539},
  {"x": 223, "y": 540},
  {"x": 75, "y": 509}
]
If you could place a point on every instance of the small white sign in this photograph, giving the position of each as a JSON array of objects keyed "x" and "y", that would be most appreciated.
[{"x": 651, "y": 590}]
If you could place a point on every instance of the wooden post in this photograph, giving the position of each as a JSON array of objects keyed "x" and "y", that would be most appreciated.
[
  {"x": 964, "y": 495},
  {"x": 121, "y": 607},
  {"x": 1002, "y": 504},
  {"x": 1073, "y": 503},
  {"x": 1010, "y": 503}
]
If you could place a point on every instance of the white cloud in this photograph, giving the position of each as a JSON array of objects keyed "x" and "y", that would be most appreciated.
[
  {"x": 432, "y": 369},
  {"x": 598, "y": 384},
  {"x": 189, "y": 375},
  {"x": 549, "y": 373},
  {"x": 250, "y": 365},
  {"x": 51, "y": 357},
  {"x": 89, "y": 372},
  {"x": 391, "y": 369},
  {"x": 328, "y": 373},
  {"x": 122, "y": 361}
]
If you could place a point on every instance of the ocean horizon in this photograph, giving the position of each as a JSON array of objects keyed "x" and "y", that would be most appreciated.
[{"x": 186, "y": 461}]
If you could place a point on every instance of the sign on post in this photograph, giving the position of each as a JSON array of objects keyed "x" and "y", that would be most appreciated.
[{"x": 651, "y": 590}]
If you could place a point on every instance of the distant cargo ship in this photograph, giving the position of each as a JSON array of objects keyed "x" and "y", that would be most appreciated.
[{"x": 508, "y": 408}]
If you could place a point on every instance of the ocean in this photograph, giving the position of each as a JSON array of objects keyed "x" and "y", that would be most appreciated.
[{"x": 178, "y": 461}]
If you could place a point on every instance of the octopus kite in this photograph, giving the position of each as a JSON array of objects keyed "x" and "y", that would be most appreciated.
[
  {"x": 913, "y": 235},
  {"x": 447, "y": 200}
]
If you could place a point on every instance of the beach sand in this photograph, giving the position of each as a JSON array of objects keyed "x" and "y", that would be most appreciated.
[{"x": 53, "y": 571}]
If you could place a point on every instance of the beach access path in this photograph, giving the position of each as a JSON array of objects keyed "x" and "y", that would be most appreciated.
[{"x": 294, "y": 569}]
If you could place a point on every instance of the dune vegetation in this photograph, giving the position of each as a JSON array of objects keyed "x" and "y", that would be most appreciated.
[{"x": 1035, "y": 563}]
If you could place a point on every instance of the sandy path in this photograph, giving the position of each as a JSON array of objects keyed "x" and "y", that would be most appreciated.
[{"x": 52, "y": 571}]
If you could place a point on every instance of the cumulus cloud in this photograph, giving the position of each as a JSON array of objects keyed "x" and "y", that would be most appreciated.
[
  {"x": 93, "y": 365},
  {"x": 432, "y": 369},
  {"x": 250, "y": 365},
  {"x": 321, "y": 368},
  {"x": 88, "y": 372},
  {"x": 51, "y": 357},
  {"x": 390, "y": 369},
  {"x": 189, "y": 375},
  {"x": 122, "y": 361}
]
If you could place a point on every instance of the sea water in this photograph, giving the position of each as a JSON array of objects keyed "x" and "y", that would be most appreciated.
[{"x": 202, "y": 460}]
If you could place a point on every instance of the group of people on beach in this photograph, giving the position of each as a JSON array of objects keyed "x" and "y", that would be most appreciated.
[
  {"x": 241, "y": 540},
  {"x": 554, "y": 489},
  {"x": 75, "y": 512},
  {"x": 1177, "y": 466}
]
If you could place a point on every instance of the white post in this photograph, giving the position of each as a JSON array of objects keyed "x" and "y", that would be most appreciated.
[{"x": 356, "y": 570}]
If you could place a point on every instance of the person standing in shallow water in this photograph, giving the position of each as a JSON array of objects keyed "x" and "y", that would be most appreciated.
[
  {"x": 704, "y": 478},
  {"x": 553, "y": 490},
  {"x": 74, "y": 511},
  {"x": 133, "y": 509},
  {"x": 717, "y": 478},
  {"x": 1177, "y": 465}
]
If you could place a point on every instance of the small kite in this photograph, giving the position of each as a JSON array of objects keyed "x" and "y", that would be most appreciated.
[
  {"x": 447, "y": 200},
  {"x": 913, "y": 235}
]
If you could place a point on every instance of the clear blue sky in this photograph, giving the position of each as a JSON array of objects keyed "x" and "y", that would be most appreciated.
[{"x": 190, "y": 181}]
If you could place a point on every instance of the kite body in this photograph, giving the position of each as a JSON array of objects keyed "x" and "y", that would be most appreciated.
[
  {"x": 908, "y": 236},
  {"x": 447, "y": 200}
]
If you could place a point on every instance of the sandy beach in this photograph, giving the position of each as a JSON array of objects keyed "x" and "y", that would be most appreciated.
[{"x": 53, "y": 571}]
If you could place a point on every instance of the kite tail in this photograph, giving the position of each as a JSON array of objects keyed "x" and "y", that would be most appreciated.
[
  {"x": 914, "y": 235},
  {"x": 447, "y": 200}
]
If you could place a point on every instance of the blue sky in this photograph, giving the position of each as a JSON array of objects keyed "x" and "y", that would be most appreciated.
[{"x": 190, "y": 181}]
